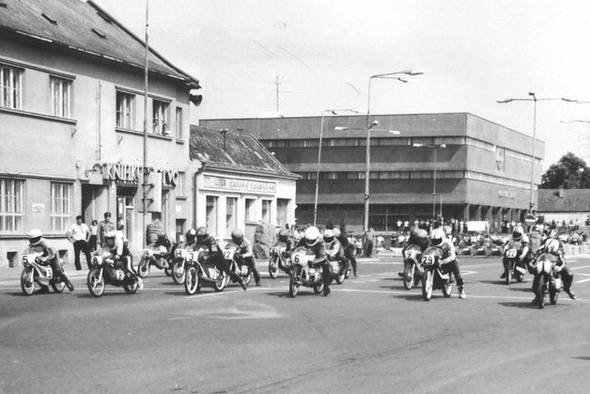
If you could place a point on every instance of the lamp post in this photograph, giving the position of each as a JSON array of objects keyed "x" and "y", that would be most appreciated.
[
  {"x": 433, "y": 147},
  {"x": 534, "y": 99},
  {"x": 317, "y": 178},
  {"x": 395, "y": 76}
]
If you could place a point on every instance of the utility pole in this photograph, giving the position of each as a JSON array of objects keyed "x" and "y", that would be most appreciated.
[{"x": 145, "y": 124}]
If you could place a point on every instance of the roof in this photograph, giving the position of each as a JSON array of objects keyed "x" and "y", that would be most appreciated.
[
  {"x": 564, "y": 200},
  {"x": 82, "y": 26},
  {"x": 243, "y": 153}
]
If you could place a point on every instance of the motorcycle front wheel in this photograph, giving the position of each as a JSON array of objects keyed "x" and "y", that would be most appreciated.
[
  {"x": 191, "y": 281},
  {"x": 427, "y": 285},
  {"x": 58, "y": 287},
  {"x": 541, "y": 292},
  {"x": 293, "y": 287},
  {"x": 178, "y": 273},
  {"x": 318, "y": 286},
  {"x": 447, "y": 289},
  {"x": 552, "y": 292},
  {"x": 273, "y": 266},
  {"x": 95, "y": 282},
  {"x": 221, "y": 281},
  {"x": 131, "y": 288},
  {"x": 143, "y": 268},
  {"x": 409, "y": 276},
  {"x": 27, "y": 281}
]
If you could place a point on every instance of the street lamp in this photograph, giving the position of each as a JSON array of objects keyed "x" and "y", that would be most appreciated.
[
  {"x": 395, "y": 76},
  {"x": 317, "y": 178},
  {"x": 534, "y": 99},
  {"x": 433, "y": 147}
]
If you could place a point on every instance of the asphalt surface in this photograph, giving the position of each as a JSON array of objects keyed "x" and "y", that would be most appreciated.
[{"x": 369, "y": 335}]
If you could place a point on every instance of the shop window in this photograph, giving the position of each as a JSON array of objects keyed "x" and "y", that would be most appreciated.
[
  {"x": 231, "y": 214},
  {"x": 125, "y": 104},
  {"x": 60, "y": 97},
  {"x": 179, "y": 123},
  {"x": 180, "y": 230},
  {"x": 282, "y": 211},
  {"x": 250, "y": 209},
  {"x": 61, "y": 206},
  {"x": 212, "y": 214},
  {"x": 266, "y": 211},
  {"x": 160, "y": 117},
  {"x": 11, "y": 205},
  {"x": 11, "y": 87}
]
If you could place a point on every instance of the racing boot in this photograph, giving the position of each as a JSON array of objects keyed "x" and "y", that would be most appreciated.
[
  {"x": 503, "y": 276},
  {"x": 327, "y": 291},
  {"x": 43, "y": 290},
  {"x": 462, "y": 293},
  {"x": 570, "y": 293}
]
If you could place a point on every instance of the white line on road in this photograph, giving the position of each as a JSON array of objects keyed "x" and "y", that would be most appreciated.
[{"x": 583, "y": 281}]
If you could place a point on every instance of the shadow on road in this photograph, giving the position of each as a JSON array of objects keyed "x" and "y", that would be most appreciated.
[
  {"x": 584, "y": 358},
  {"x": 523, "y": 289},
  {"x": 285, "y": 294},
  {"x": 397, "y": 288},
  {"x": 520, "y": 304},
  {"x": 411, "y": 297},
  {"x": 36, "y": 294}
]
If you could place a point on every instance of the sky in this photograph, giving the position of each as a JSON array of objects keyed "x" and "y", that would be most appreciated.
[{"x": 323, "y": 52}]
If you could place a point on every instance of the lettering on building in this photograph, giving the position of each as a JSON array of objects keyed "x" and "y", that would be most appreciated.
[
  {"x": 129, "y": 173},
  {"x": 506, "y": 194},
  {"x": 241, "y": 185}
]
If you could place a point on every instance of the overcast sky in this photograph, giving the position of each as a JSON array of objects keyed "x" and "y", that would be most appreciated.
[{"x": 472, "y": 53}]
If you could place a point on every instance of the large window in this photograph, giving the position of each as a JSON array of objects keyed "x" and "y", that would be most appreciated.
[
  {"x": 266, "y": 211},
  {"x": 212, "y": 214},
  {"x": 231, "y": 214},
  {"x": 10, "y": 87},
  {"x": 250, "y": 209},
  {"x": 160, "y": 115},
  {"x": 181, "y": 185},
  {"x": 60, "y": 97},
  {"x": 179, "y": 122},
  {"x": 11, "y": 205},
  {"x": 61, "y": 206},
  {"x": 125, "y": 104}
]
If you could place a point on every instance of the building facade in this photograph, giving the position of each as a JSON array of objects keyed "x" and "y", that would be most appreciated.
[
  {"x": 482, "y": 169},
  {"x": 71, "y": 110},
  {"x": 564, "y": 205}
]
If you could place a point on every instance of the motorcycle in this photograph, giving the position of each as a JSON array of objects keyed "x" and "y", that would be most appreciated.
[
  {"x": 434, "y": 278},
  {"x": 304, "y": 272},
  {"x": 512, "y": 262},
  {"x": 339, "y": 267},
  {"x": 157, "y": 256},
  {"x": 279, "y": 260},
  {"x": 412, "y": 270},
  {"x": 236, "y": 263},
  {"x": 199, "y": 269},
  {"x": 179, "y": 264},
  {"x": 37, "y": 273},
  {"x": 106, "y": 271},
  {"x": 547, "y": 271}
]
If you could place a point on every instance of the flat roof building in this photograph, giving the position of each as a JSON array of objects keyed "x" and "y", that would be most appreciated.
[{"x": 482, "y": 169}]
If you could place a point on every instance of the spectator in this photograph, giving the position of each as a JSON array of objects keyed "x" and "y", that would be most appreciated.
[
  {"x": 105, "y": 226},
  {"x": 369, "y": 242},
  {"x": 400, "y": 224},
  {"x": 79, "y": 235},
  {"x": 93, "y": 236}
]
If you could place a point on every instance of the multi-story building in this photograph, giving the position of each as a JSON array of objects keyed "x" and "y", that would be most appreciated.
[
  {"x": 480, "y": 169},
  {"x": 71, "y": 116}
]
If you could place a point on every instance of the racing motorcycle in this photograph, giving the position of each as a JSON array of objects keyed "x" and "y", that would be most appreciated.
[
  {"x": 547, "y": 271},
  {"x": 412, "y": 269},
  {"x": 512, "y": 262},
  {"x": 236, "y": 263},
  {"x": 304, "y": 272},
  {"x": 179, "y": 264},
  {"x": 338, "y": 265},
  {"x": 434, "y": 278},
  {"x": 200, "y": 269},
  {"x": 35, "y": 272},
  {"x": 279, "y": 260},
  {"x": 157, "y": 256},
  {"x": 106, "y": 271}
]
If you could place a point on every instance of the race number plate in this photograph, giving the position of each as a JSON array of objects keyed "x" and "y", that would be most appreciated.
[
  {"x": 511, "y": 253},
  {"x": 244, "y": 270},
  {"x": 212, "y": 273},
  {"x": 428, "y": 260},
  {"x": 228, "y": 254},
  {"x": 119, "y": 274},
  {"x": 409, "y": 254}
]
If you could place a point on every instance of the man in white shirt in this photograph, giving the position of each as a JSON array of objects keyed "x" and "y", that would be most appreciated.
[{"x": 79, "y": 234}]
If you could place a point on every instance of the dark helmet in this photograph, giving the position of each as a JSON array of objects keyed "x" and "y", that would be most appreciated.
[
  {"x": 190, "y": 236},
  {"x": 202, "y": 233},
  {"x": 237, "y": 236},
  {"x": 283, "y": 235}
]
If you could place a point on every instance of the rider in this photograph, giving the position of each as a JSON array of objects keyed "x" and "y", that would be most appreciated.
[
  {"x": 38, "y": 245},
  {"x": 332, "y": 245},
  {"x": 116, "y": 247},
  {"x": 526, "y": 255},
  {"x": 349, "y": 248},
  {"x": 312, "y": 240},
  {"x": 554, "y": 246},
  {"x": 449, "y": 261},
  {"x": 418, "y": 237},
  {"x": 246, "y": 252},
  {"x": 203, "y": 239}
]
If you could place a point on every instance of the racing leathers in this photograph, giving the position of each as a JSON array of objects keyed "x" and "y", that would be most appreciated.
[
  {"x": 349, "y": 249},
  {"x": 120, "y": 254},
  {"x": 319, "y": 252},
  {"x": 246, "y": 252},
  {"x": 567, "y": 276},
  {"x": 526, "y": 255},
  {"x": 216, "y": 257},
  {"x": 334, "y": 251},
  {"x": 449, "y": 262},
  {"x": 50, "y": 257}
]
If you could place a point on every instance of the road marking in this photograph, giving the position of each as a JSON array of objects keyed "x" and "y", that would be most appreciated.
[
  {"x": 580, "y": 267},
  {"x": 583, "y": 281}
]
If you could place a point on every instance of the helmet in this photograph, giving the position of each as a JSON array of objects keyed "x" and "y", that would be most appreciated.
[
  {"x": 553, "y": 234},
  {"x": 202, "y": 233},
  {"x": 283, "y": 235},
  {"x": 237, "y": 236},
  {"x": 337, "y": 233},
  {"x": 190, "y": 236},
  {"x": 311, "y": 236},
  {"x": 35, "y": 236},
  {"x": 437, "y": 236},
  {"x": 552, "y": 245},
  {"x": 421, "y": 233},
  {"x": 328, "y": 236},
  {"x": 517, "y": 233}
]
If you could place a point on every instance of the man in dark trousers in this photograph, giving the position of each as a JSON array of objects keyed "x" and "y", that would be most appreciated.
[{"x": 79, "y": 235}]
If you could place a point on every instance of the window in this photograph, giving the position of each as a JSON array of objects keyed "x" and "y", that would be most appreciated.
[
  {"x": 11, "y": 205},
  {"x": 211, "y": 214},
  {"x": 180, "y": 185},
  {"x": 125, "y": 103},
  {"x": 250, "y": 209},
  {"x": 160, "y": 115},
  {"x": 10, "y": 87},
  {"x": 61, "y": 205},
  {"x": 282, "y": 211},
  {"x": 179, "y": 123},
  {"x": 231, "y": 214},
  {"x": 266, "y": 211},
  {"x": 60, "y": 97}
]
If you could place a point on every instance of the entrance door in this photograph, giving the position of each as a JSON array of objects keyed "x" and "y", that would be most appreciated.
[{"x": 125, "y": 213}]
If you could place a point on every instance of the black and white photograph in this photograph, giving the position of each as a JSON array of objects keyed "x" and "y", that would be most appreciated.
[{"x": 294, "y": 196}]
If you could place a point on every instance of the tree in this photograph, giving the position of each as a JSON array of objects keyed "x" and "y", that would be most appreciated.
[{"x": 570, "y": 172}]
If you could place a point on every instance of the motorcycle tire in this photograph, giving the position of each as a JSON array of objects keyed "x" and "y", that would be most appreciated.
[
  {"x": 427, "y": 283},
  {"x": 508, "y": 277},
  {"x": 191, "y": 281},
  {"x": 58, "y": 287},
  {"x": 168, "y": 271},
  {"x": 131, "y": 288},
  {"x": 27, "y": 281},
  {"x": 340, "y": 278},
  {"x": 178, "y": 273},
  {"x": 541, "y": 292},
  {"x": 221, "y": 282},
  {"x": 293, "y": 287},
  {"x": 318, "y": 287},
  {"x": 273, "y": 267},
  {"x": 519, "y": 277},
  {"x": 552, "y": 292},
  {"x": 447, "y": 289},
  {"x": 409, "y": 276},
  {"x": 348, "y": 271},
  {"x": 143, "y": 268},
  {"x": 95, "y": 282},
  {"x": 248, "y": 278}
]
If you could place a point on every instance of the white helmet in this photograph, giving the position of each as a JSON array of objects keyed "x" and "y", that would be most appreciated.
[
  {"x": 436, "y": 236},
  {"x": 517, "y": 233},
  {"x": 337, "y": 232},
  {"x": 311, "y": 236},
  {"x": 328, "y": 235},
  {"x": 35, "y": 237},
  {"x": 552, "y": 245}
]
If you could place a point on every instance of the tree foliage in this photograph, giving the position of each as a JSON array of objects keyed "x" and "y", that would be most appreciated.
[{"x": 570, "y": 172}]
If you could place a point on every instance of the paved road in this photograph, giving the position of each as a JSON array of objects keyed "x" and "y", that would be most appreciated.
[{"x": 369, "y": 335}]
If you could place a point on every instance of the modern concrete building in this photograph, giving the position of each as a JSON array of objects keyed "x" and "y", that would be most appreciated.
[
  {"x": 482, "y": 172},
  {"x": 71, "y": 110}
]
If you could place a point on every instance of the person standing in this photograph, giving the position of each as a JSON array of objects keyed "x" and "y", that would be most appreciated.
[
  {"x": 93, "y": 236},
  {"x": 105, "y": 226},
  {"x": 79, "y": 235}
]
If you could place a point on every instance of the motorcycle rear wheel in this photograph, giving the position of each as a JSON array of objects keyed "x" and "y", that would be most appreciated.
[
  {"x": 95, "y": 282},
  {"x": 508, "y": 277},
  {"x": 58, "y": 287},
  {"x": 409, "y": 270},
  {"x": 427, "y": 285},
  {"x": 318, "y": 286},
  {"x": 143, "y": 268},
  {"x": 131, "y": 288},
  {"x": 168, "y": 271},
  {"x": 221, "y": 282},
  {"x": 248, "y": 278},
  {"x": 178, "y": 273},
  {"x": 447, "y": 289},
  {"x": 27, "y": 281},
  {"x": 273, "y": 267},
  {"x": 191, "y": 281}
]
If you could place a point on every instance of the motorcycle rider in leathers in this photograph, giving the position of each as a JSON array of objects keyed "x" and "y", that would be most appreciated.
[
  {"x": 418, "y": 237},
  {"x": 526, "y": 255},
  {"x": 333, "y": 247},
  {"x": 313, "y": 242},
  {"x": 246, "y": 252},
  {"x": 449, "y": 261},
  {"x": 116, "y": 248},
  {"x": 208, "y": 242},
  {"x": 349, "y": 248},
  {"x": 38, "y": 245}
]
